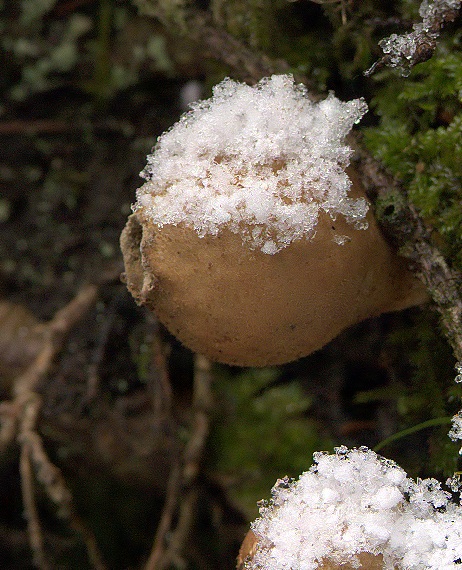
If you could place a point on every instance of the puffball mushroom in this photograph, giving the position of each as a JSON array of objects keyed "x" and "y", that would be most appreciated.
[
  {"x": 249, "y": 240},
  {"x": 355, "y": 509}
]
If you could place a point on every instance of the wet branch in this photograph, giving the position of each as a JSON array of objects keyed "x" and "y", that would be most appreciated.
[{"x": 408, "y": 232}]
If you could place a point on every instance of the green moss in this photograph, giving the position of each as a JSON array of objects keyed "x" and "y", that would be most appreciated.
[
  {"x": 419, "y": 138},
  {"x": 264, "y": 432},
  {"x": 421, "y": 390}
]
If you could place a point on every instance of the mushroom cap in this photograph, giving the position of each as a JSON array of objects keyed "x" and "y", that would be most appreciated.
[{"x": 240, "y": 306}]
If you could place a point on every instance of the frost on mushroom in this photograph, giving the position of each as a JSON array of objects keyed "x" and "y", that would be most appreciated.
[
  {"x": 357, "y": 502},
  {"x": 263, "y": 161}
]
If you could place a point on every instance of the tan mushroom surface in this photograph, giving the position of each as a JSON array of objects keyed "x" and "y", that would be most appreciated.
[{"x": 244, "y": 307}]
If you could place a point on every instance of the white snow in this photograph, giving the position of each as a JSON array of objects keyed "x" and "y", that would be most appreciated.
[
  {"x": 455, "y": 432},
  {"x": 458, "y": 367},
  {"x": 263, "y": 161},
  {"x": 356, "y": 501}
]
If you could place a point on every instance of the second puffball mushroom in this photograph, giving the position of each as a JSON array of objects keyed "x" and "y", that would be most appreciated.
[
  {"x": 249, "y": 240},
  {"x": 354, "y": 509}
]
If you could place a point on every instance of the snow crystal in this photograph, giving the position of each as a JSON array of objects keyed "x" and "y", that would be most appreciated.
[
  {"x": 402, "y": 50},
  {"x": 262, "y": 161},
  {"x": 355, "y": 501},
  {"x": 455, "y": 432},
  {"x": 458, "y": 367}
]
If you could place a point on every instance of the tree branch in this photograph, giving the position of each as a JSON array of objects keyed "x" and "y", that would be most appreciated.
[
  {"x": 215, "y": 43},
  {"x": 402, "y": 223}
]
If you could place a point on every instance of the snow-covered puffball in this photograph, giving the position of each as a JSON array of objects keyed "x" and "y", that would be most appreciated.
[
  {"x": 249, "y": 239},
  {"x": 263, "y": 162},
  {"x": 355, "y": 509}
]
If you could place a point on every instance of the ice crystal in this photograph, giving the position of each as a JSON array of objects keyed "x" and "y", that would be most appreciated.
[
  {"x": 262, "y": 161},
  {"x": 456, "y": 431},
  {"x": 355, "y": 501},
  {"x": 404, "y": 51},
  {"x": 458, "y": 368}
]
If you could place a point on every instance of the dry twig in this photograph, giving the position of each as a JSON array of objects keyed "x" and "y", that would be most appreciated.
[
  {"x": 30, "y": 508},
  {"x": 184, "y": 478},
  {"x": 19, "y": 418}
]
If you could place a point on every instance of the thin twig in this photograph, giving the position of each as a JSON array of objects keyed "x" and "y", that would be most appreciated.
[
  {"x": 166, "y": 519},
  {"x": 93, "y": 552},
  {"x": 162, "y": 555},
  {"x": 407, "y": 50},
  {"x": 201, "y": 405},
  {"x": 93, "y": 379},
  {"x": 30, "y": 509},
  {"x": 53, "y": 126},
  {"x": 8, "y": 419},
  {"x": 186, "y": 519},
  {"x": 57, "y": 490},
  {"x": 20, "y": 417}
]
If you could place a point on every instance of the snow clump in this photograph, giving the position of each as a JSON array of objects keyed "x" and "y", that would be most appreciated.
[
  {"x": 356, "y": 501},
  {"x": 262, "y": 161}
]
